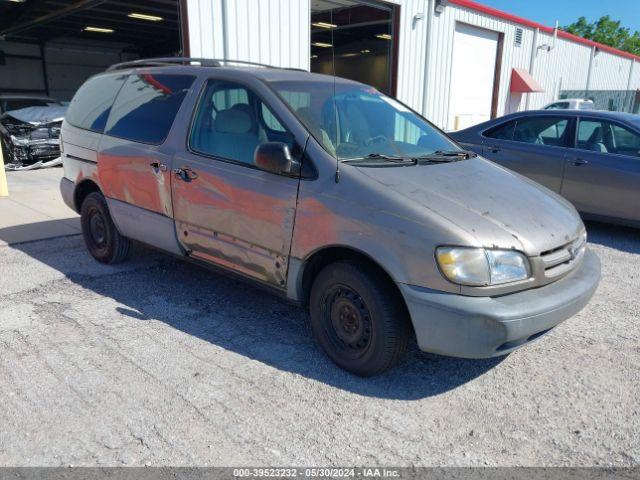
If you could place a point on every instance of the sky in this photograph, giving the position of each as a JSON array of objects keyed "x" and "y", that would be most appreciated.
[{"x": 568, "y": 11}]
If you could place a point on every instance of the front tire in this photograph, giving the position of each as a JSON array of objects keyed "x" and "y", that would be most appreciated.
[
  {"x": 358, "y": 318},
  {"x": 102, "y": 238}
]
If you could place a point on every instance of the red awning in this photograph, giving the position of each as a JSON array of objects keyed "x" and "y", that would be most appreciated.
[{"x": 523, "y": 82}]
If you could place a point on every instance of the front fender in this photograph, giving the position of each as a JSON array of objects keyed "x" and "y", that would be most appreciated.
[{"x": 399, "y": 245}]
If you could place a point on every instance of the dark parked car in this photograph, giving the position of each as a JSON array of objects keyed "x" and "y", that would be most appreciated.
[{"x": 592, "y": 158}]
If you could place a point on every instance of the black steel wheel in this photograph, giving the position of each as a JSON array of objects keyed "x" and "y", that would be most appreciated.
[
  {"x": 347, "y": 320},
  {"x": 358, "y": 318},
  {"x": 100, "y": 234}
]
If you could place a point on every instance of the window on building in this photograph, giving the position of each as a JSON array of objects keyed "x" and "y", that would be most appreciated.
[
  {"x": 146, "y": 107},
  {"x": 90, "y": 106},
  {"x": 231, "y": 122}
]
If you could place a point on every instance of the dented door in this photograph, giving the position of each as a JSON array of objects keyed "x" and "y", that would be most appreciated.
[
  {"x": 227, "y": 211},
  {"x": 235, "y": 216}
]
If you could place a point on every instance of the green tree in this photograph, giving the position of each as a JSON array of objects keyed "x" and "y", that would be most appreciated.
[{"x": 608, "y": 32}]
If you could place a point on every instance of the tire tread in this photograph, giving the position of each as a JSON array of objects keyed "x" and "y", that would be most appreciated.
[
  {"x": 120, "y": 247},
  {"x": 391, "y": 308}
]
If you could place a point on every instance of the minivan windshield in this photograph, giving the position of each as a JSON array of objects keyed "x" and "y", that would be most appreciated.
[{"x": 353, "y": 121}]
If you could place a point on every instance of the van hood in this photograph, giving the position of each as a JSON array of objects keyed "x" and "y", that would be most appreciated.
[{"x": 496, "y": 207}]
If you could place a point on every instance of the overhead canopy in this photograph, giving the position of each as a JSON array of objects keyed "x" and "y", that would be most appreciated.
[
  {"x": 152, "y": 30},
  {"x": 523, "y": 82}
]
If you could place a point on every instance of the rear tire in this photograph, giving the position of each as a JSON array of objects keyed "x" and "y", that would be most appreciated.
[
  {"x": 359, "y": 320},
  {"x": 102, "y": 238}
]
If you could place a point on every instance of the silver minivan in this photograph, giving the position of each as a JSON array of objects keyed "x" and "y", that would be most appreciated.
[{"x": 330, "y": 194}]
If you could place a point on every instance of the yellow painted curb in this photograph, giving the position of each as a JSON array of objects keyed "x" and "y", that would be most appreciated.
[{"x": 4, "y": 189}]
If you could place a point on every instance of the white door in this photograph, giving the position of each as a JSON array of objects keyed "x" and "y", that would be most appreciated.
[{"x": 472, "y": 75}]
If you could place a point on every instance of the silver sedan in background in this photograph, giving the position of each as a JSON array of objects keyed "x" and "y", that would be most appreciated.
[{"x": 592, "y": 158}]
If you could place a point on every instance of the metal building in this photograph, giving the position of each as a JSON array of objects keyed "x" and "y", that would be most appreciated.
[{"x": 456, "y": 61}]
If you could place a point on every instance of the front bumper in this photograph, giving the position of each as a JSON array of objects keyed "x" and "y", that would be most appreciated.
[{"x": 481, "y": 327}]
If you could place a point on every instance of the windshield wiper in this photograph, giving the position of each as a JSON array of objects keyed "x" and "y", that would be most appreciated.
[
  {"x": 455, "y": 153},
  {"x": 382, "y": 156},
  {"x": 444, "y": 156}
]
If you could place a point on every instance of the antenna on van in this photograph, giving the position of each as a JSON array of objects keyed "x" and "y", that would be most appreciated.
[{"x": 335, "y": 104}]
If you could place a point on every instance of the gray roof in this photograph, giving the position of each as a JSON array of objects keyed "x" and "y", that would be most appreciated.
[{"x": 268, "y": 74}]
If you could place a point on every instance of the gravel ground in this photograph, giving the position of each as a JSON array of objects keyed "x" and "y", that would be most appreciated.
[{"x": 159, "y": 362}]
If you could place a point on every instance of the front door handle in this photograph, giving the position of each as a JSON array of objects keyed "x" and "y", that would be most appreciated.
[
  {"x": 158, "y": 166},
  {"x": 495, "y": 148},
  {"x": 185, "y": 174},
  {"x": 577, "y": 162}
]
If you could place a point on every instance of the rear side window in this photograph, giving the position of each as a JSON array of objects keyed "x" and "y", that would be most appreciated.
[
  {"x": 92, "y": 103},
  {"x": 541, "y": 130},
  {"x": 146, "y": 107}
]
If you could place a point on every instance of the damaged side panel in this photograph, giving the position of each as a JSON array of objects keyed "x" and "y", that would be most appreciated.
[{"x": 236, "y": 217}]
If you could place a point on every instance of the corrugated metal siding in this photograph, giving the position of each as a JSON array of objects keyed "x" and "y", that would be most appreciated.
[
  {"x": 275, "y": 32},
  {"x": 610, "y": 72},
  {"x": 412, "y": 54},
  {"x": 564, "y": 67},
  {"x": 439, "y": 74},
  {"x": 635, "y": 76}
]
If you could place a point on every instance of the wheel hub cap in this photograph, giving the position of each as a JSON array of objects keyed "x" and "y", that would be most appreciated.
[
  {"x": 97, "y": 229},
  {"x": 349, "y": 319}
]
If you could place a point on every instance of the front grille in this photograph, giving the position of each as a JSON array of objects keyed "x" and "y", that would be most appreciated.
[{"x": 560, "y": 260}]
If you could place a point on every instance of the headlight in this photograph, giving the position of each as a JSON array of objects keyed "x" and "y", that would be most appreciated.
[
  {"x": 579, "y": 245},
  {"x": 479, "y": 266}
]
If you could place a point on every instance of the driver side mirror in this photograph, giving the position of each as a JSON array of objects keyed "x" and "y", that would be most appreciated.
[{"x": 275, "y": 157}]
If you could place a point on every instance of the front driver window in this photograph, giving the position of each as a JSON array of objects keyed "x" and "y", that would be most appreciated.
[
  {"x": 626, "y": 142},
  {"x": 231, "y": 122},
  {"x": 605, "y": 137}
]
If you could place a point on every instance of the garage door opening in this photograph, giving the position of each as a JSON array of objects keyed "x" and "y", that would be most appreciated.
[
  {"x": 356, "y": 40},
  {"x": 51, "y": 47},
  {"x": 474, "y": 76}
]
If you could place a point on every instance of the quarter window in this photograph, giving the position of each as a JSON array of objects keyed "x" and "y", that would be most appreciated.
[
  {"x": 146, "y": 107},
  {"x": 231, "y": 122},
  {"x": 92, "y": 103}
]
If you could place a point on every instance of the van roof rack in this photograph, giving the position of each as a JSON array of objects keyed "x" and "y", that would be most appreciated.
[{"x": 167, "y": 61}]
